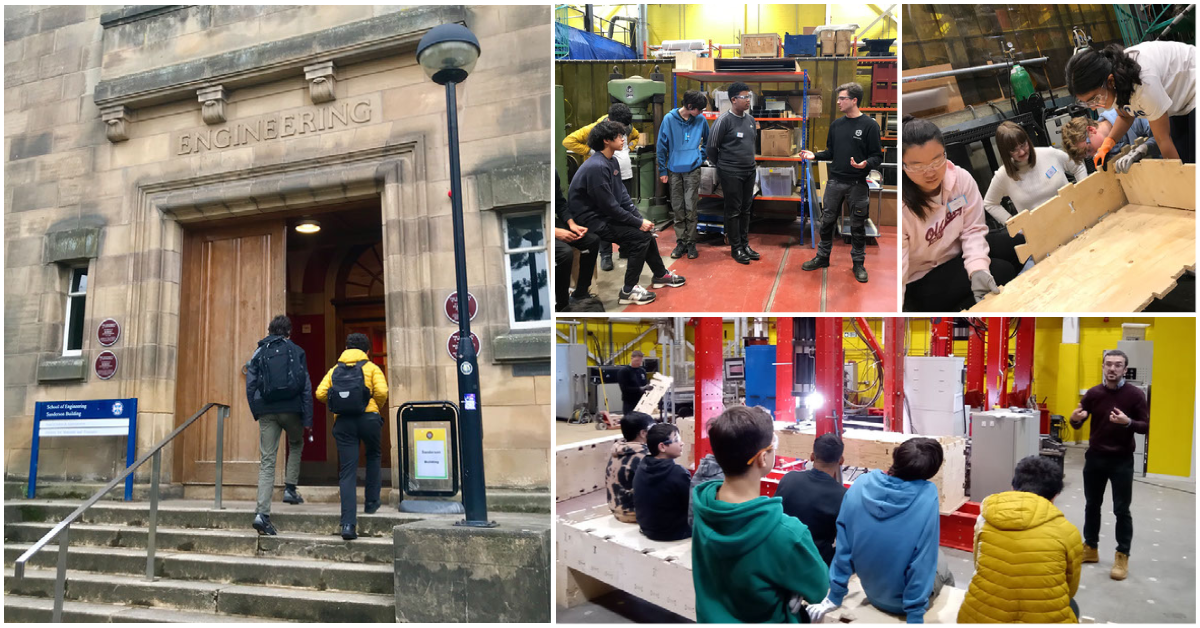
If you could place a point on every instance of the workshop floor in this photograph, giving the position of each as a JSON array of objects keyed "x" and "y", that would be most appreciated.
[
  {"x": 1161, "y": 587},
  {"x": 775, "y": 283}
]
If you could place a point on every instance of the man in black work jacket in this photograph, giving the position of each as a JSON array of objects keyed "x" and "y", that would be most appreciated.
[
  {"x": 633, "y": 382},
  {"x": 599, "y": 201},
  {"x": 854, "y": 149}
]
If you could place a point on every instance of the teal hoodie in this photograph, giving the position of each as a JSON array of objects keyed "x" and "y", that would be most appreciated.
[
  {"x": 887, "y": 533},
  {"x": 681, "y": 143},
  {"x": 749, "y": 559}
]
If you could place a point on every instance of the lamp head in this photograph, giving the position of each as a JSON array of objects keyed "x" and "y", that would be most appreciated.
[{"x": 448, "y": 53}]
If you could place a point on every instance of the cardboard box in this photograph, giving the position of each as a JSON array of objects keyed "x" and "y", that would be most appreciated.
[
  {"x": 764, "y": 45},
  {"x": 808, "y": 30},
  {"x": 776, "y": 142},
  {"x": 842, "y": 42},
  {"x": 814, "y": 105},
  {"x": 828, "y": 40}
]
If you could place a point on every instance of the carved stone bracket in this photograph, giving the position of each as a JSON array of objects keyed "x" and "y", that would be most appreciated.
[
  {"x": 213, "y": 99},
  {"x": 322, "y": 79},
  {"x": 115, "y": 119}
]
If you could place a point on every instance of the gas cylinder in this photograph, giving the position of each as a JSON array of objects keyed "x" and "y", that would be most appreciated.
[{"x": 1022, "y": 84}]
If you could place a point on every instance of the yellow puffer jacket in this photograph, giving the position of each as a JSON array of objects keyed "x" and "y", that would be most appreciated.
[
  {"x": 372, "y": 376},
  {"x": 1027, "y": 563},
  {"x": 577, "y": 141}
]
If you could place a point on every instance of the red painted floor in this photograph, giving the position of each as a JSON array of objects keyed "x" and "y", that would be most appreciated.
[{"x": 715, "y": 283}]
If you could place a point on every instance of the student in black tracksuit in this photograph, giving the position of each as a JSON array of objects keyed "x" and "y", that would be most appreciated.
[
  {"x": 815, "y": 496},
  {"x": 633, "y": 382},
  {"x": 731, "y": 150},
  {"x": 661, "y": 487},
  {"x": 854, "y": 148},
  {"x": 569, "y": 237},
  {"x": 599, "y": 201}
]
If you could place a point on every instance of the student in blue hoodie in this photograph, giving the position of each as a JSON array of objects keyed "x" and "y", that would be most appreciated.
[
  {"x": 681, "y": 149},
  {"x": 887, "y": 533},
  {"x": 749, "y": 560}
]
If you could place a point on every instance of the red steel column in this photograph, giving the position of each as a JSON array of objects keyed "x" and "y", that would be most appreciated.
[
  {"x": 829, "y": 374},
  {"x": 785, "y": 403},
  {"x": 893, "y": 373},
  {"x": 997, "y": 361},
  {"x": 1023, "y": 363},
  {"x": 976, "y": 361},
  {"x": 941, "y": 337},
  {"x": 709, "y": 382}
]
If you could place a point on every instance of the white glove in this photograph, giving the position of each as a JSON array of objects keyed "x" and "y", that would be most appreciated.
[
  {"x": 983, "y": 284},
  {"x": 816, "y": 613},
  {"x": 1132, "y": 157}
]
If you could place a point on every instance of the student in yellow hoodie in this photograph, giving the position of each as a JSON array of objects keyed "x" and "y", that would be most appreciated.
[{"x": 355, "y": 391}]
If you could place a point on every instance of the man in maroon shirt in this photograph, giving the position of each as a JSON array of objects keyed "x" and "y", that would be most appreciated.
[{"x": 1118, "y": 411}]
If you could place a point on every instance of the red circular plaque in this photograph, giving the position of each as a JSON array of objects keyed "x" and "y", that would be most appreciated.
[
  {"x": 106, "y": 364},
  {"x": 451, "y": 306},
  {"x": 109, "y": 332},
  {"x": 452, "y": 344}
]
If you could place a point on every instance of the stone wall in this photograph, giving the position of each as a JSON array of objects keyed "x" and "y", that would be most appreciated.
[{"x": 137, "y": 194}]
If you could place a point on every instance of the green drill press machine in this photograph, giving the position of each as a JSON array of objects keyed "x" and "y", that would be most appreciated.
[{"x": 646, "y": 99}]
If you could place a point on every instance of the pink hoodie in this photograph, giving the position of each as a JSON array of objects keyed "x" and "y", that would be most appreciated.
[{"x": 943, "y": 235}]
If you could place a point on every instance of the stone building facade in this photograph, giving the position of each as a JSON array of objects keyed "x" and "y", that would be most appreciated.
[{"x": 157, "y": 161}]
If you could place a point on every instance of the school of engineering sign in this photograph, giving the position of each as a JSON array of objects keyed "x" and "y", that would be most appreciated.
[{"x": 338, "y": 115}]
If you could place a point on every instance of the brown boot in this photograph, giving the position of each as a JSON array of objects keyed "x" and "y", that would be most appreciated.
[
  {"x": 1090, "y": 554},
  {"x": 1120, "y": 567}
]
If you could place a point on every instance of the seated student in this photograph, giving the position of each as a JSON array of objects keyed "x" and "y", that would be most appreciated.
[
  {"x": 597, "y": 200},
  {"x": 946, "y": 244},
  {"x": 627, "y": 455},
  {"x": 1027, "y": 555},
  {"x": 888, "y": 534},
  {"x": 570, "y": 237},
  {"x": 815, "y": 496},
  {"x": 748, "y": 558},
  {"x": 1082, "y": 137},
  {"x": 660, "y": 487}
]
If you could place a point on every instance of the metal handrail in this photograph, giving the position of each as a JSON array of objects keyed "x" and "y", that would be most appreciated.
[{"x": 63, "y": 529}]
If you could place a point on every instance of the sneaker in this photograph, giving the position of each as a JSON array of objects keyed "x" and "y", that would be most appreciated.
[
  {"x": 860, "y": 273},
  {"x": 692, "y": 252},
  {"x": 669, "y": 280},
  {"x": 637, "y": 296},
  {"x": 348, "y": 532},
  {"x": 371, "y": 508},
  {"x": 290, "y": 496},
  {"x": 606, "y": 262},
  {"x": 262, "y": 523},
  {"x": 815, "y": 263},
  {"x": 680, "y": 250}
]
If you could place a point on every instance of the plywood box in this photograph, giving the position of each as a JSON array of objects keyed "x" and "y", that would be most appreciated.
[
  {"x": 687, "y": 61},
  {"x": 760, "y": 45},
  {"x": 776, "y": 142},
  {"x": 579, "y": 467}
]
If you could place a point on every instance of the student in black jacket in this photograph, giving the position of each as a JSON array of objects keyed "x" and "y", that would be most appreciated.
[
  {"x": 599, "y": 201},
  {"x": 661, "y": 487},
  {"x": 854, "y": 148},
  {"x": 815, "y": 496},
  {"x": 569, "y": 236},
  {"x": 633, "y": 382}
]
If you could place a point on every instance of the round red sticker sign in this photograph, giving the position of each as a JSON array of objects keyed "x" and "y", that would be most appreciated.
[
  {"x": 109, "y": 332},
  {"x": 106, "y": 365},
  {"x": 451, "y": 306},
  {"x": 452, "y": 344}
]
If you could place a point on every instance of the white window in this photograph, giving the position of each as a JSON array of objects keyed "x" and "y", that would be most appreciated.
[
  {"x": 73, "y": 320},
  {"x": 527, "y": 270}
]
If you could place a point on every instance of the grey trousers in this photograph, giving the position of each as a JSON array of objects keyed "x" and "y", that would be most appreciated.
[
  {"x": 685, "y": 195},
  {"x": 269, "y": 428}
]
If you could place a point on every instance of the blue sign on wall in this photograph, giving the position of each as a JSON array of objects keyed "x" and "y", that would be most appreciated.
[{"x": 96, "y": 417}]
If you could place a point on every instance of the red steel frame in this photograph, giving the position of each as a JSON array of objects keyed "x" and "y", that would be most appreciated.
[
  {"x": 785, "y": 403},
  {"x": 997, "y": 362},
  {"x": 941, "y": 337},
  {"x": 893, "y": 373},
  {"x": 710, "y": 381},
  {"x": 1023, "y": 363},
  {"x": 828, "y": 376},
  {"x": 974, "y": 396}
]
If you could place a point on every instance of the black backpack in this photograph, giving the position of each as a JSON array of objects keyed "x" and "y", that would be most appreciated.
[
  {"x": 348, "y": 392},
  {"x": 278, "y": 376}
]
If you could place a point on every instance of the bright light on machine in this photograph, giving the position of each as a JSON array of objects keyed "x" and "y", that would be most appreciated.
[{"x": 814, "y": 401}]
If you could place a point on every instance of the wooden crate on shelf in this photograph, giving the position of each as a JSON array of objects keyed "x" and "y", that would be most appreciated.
[
  {"x": 687, "y": 61},
  {"x": 760, "y": 45}
]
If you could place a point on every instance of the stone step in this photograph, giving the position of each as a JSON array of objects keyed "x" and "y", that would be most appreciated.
[
  {"x": 208, "y": 597},
  {"x": 313, "y": 574},
  {"x": 85, "y": 490},
  {"x": 314, "y": 518},
  {"x": 20, "y": 609},
  {"x": 328, "y": 547}
]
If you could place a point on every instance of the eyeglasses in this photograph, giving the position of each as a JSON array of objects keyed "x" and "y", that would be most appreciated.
[
  {"x": 844, "y": 98},
  {"x": 1022, "y": 148},
  {"x": 773, "y": 445},
  {"x": 1095, "y": 101},
  {"x": 746, "y": 97},
  {"x": 934, "y": 165}
]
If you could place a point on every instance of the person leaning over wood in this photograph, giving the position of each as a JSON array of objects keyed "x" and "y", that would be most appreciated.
[
  {"x": 1155, "y": 80},
  {"x": 1082, "y": 137}
]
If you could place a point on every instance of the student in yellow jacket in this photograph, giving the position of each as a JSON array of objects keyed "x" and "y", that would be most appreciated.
[
  {"x": 1027, "y": 555},
  {"x": 349, "y": 428}
]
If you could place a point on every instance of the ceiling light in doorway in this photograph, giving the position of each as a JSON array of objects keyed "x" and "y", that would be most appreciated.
[{"x": 308, "y": 226}]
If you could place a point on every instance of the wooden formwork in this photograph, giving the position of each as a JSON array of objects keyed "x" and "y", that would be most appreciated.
[
  {"x": 579, "y": 467},
  {"x": 659, "y": 384}
]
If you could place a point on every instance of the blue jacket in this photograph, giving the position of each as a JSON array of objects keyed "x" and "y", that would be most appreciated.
[
  {"x": 1139, "y": 128},
  {"x": 681, "y": 141},
  {"x": 887, "y": 533}
]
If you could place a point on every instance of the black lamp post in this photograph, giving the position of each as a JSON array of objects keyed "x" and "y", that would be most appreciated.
[{"x": 448, "y": 54}]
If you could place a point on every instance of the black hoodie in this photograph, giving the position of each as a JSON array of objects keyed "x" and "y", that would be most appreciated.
[
  {"x": 660, "y": 499},
  {"x": 301, "y": 404}
]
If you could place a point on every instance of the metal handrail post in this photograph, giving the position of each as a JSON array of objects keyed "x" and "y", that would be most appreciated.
[
  {"x": 152, "y": 529},
  {"x": 60, "y": 579},
  {"x": 222, "y": 412}
]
